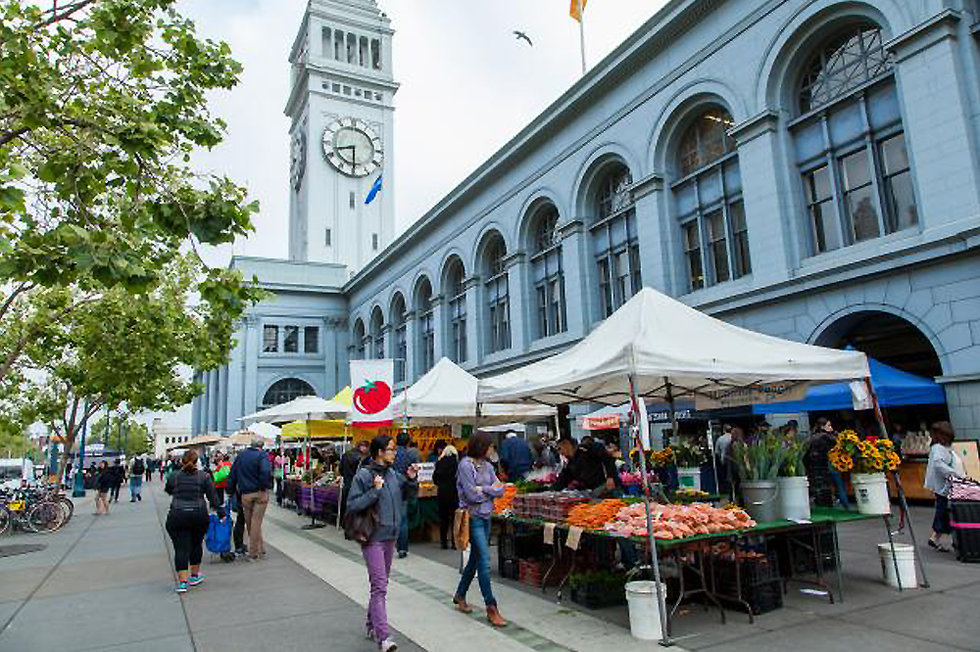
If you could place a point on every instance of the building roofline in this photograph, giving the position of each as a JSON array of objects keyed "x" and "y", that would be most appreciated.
[{"x": 607, "y": 72}]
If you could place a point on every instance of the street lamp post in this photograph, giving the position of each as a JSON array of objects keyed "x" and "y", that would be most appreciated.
[{"x": 78, "y": 489}]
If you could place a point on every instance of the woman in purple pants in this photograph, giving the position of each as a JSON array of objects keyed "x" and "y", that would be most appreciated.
[{"x": 377, "y": 485}]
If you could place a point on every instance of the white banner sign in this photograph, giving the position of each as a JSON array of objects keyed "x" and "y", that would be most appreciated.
[
  {"x": 372, "y": 382},
  {"x": 756, "y": 394}
]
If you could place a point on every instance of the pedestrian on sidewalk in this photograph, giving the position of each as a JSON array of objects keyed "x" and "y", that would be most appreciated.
[
  {"x": 478, "y": 485},
  {"x": 118, "y": 477},
  {"x": 405, "y": 456},
  {"x": 187, "y": 521},
  {"x": 379, "y": 486},
  {"x": 943, "y": 464},
  {"x": 136, "y": 470},
  {"x": 251, "y": 478},
  {"x": 444, "y": 477},
  {"x": 222, "y": 469},
  {"x": 104, "y": 480}
]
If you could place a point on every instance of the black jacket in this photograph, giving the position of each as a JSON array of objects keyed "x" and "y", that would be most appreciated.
[
  {"x": 444, "y": 477},
  {"x": 190, "y": 490},
  {"x": 349, "y": 464},
  {"x": 589, "y": 467},
  {"x": 251, "y": 472}
]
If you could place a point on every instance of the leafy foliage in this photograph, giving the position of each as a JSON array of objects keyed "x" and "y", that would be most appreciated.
[
  {"x": 122, "y": 432},
  {"x": 759, "y": 458}
]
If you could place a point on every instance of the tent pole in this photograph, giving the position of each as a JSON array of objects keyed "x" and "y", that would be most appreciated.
[
  {"x": 903, "y": 504},
  {"x": 651, "y": 540}
]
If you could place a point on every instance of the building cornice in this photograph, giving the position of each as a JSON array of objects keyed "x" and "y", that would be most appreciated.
[
  {"x": 758, "y": 125},
  {"x": 940, "y": 27}
]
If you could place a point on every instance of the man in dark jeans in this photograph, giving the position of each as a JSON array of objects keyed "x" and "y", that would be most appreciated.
[
  {"x": 118, "y": 477},
  {"x": 404, "y": 458},
  {"x": 251, "y": 480}
]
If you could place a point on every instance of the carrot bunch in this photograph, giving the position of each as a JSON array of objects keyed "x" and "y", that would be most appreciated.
[
  {"x": 506, "y": 502},
  {"x": 592, "y": 516}
]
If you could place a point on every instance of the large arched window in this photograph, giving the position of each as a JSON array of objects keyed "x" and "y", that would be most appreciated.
[
  {"x": 850, "y": 143},
  {"x": 497, "y": 294},
  {"x": 286, "y": 390},
  {"x": 455, "y": 284},
  {"x": 546, "y": 272},
  {"x": 399, "y": 329},
  {"x": 377, "y": 335},
  {"x": 614, "y": 239},
  {"x": 708, "y": 197},
  {"x": 425, "y": 310},
  {"x": 360, "y": 341}
]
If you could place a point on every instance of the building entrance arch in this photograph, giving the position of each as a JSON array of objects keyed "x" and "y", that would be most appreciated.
[{"x": 885, "y": 336}]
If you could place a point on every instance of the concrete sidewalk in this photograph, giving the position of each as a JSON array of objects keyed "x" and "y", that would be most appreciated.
[{"x": 107, "y": 583}]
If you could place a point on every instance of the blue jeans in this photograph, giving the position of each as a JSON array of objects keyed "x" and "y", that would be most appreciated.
[
  {"x": 838, "y": 481},
  {"x": 479, "y": 561},
  {"x": 135, "y": 486},
  {"x": 403, "y": 530}
]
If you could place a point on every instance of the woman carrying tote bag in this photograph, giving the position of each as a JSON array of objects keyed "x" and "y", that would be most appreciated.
[{"x": 379, "y": 487}]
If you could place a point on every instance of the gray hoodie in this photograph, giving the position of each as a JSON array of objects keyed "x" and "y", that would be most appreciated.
[{"x": 389, "y": 497}]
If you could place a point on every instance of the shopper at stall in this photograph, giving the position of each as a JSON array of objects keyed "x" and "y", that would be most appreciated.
[
  {"x": 251, "y": 478},
  {"x": 405, "y": 456},
  {"x": 349, "y": 464},
  {"x": 444, "y": 477},
  {"x": 187, "y": 521},
  {"x": 588, "y": 467},
  {"x": 515, "y": 457},
  {"x": 279, "y": 474},
  {"x": 478, "y": 485},
  {"x": 822, "y": 440},
  {"x": 943, "y": 464},
  {"x": 377, "y": 485}
]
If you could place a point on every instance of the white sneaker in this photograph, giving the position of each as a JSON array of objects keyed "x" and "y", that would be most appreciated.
[
  {"x": 387, "y": 645},
  {"x": 368, "y": 633}
]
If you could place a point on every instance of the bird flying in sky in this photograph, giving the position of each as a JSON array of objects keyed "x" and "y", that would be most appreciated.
[{"x": 521, "y": 35}]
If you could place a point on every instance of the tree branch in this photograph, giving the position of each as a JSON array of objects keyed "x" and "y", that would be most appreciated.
[{"x": 20, "y": 289}]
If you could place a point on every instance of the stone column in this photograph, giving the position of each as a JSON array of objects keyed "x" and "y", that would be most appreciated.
[
  {"x": 252, "y": 352},
  {"x": 474, "y": 320},
  {"x": 576, "y": 269},
  {"x": 656, "y": 244},
  {"x": 236, "y": 381},
  {"x": 516, "y": 265},
  {"x": 438, "y": 320},
  {"x": 223, "y": 422},
  {"x": 412, "y": 344}
]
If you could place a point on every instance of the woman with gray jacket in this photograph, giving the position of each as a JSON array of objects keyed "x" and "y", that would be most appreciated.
[
  {"x": 943, "y": 465},
  {"x": 380, "y": 486}
]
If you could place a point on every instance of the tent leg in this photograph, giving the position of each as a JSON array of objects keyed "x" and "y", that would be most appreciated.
[{"x": 665, "y": 639}]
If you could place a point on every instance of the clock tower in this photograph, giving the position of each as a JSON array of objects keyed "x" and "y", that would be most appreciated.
[{"x": 341, "y": 112}]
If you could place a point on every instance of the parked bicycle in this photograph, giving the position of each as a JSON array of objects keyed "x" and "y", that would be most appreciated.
[{"x": 41, "y": 510}]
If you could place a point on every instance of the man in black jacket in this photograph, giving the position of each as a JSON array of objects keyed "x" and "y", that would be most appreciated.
[
  {"x": 349, "y": 464},
  {"x": 589, "y": 467},
  {"x": 251, "y": 478}
]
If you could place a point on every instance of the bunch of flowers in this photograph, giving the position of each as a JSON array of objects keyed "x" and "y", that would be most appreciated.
[
  {"x": 689, "y": 453},
  {"x": 869, "y": 455},
  {"x": 662, "y": 458}
]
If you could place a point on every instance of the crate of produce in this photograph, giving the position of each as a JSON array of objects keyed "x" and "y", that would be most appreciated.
[
  {"x": 965, "y": 517},
  {"x": 598, "y": 589}
]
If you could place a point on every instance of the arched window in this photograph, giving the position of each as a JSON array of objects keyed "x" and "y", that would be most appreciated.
[
  {"x": 850, "y": 143},
  {"x": 615, "y": 243},
  {"x": 399, "y": 328},
  {"x": 360, "y": 341},
  {"x": 286, "y": 390},
  {"x": 377, "y": 335},
  {"x": 708, "y": 197},
  {"x": 546, "y": 272},
  {"x": 497, "y": 294},
  {"x": 456, "y": 295},
  {"x": 426, "y": 327}
]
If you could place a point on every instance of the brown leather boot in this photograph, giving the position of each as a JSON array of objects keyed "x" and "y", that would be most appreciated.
[
  {"x": 493, "y": 615},
  {"x": 462, "y": 606}
]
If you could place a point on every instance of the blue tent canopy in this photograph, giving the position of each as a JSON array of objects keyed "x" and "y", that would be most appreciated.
[{"x": 894, "y": 387}]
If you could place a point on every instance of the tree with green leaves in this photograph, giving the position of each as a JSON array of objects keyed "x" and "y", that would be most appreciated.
[
  {"x": 121, "y": 432},
  {"x": 102, "y": 103}
]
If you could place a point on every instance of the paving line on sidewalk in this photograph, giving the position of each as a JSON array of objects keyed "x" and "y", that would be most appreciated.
[
  {"x": 170, "y": 563},
  {"x": 519, "y": 634},
  {"x": 47, "y": 576}
]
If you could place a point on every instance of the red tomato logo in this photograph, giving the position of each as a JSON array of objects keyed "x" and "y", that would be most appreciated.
[{"x": 372, "y": 397}]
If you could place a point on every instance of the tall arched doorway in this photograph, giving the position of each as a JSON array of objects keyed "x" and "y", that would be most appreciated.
[
  {"x": 286, "y": 390},
  {"x": 887, "y": 338}
]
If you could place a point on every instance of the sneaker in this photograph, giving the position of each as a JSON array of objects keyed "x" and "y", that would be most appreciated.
[
  {"x": 368, "y": 633},
  {"x": 182, "y": 587},
  {"x": 387, "y": 645},
  {"x": 402, "y": 554},
  {"x": 196, "y": 579}
]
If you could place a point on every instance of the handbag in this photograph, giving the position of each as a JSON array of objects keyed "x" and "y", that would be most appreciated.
[
  {"x": 461, "y": 529},
  {"x": 359, "y": 526}
]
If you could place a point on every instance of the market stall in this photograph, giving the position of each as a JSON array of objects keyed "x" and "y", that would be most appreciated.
[{"x": 656, "y": 349}]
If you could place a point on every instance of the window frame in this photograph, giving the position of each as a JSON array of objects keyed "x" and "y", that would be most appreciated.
[
  {"x": 456, "y": 312},
  {"x": 612, "y": 297},
  {"x": 547, "y": 272}
]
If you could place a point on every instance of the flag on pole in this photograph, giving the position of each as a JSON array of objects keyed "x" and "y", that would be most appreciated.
[
  {"x": 375, "y": 189},
  {"x": 578, "y": 8},
  {"x": 371, "y": 381}
]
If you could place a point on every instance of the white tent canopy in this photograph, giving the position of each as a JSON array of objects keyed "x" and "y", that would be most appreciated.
[
  {"x": 304, "y": 408},
  {"x": 447, "y": 395},
  {"x": 673, "y": 351},
  {"x": 264, "y": 429}
]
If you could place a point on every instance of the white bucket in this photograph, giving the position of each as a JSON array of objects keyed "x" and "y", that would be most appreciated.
[
  {"x": 761, "y": 500},
  {"x": 641, "y": 596},
  {"x": 794, "y": 498},
  {"x": 689, "y": 477},
  {"x": 905, "y": 554},
  {"x": 871, "y": 492}
]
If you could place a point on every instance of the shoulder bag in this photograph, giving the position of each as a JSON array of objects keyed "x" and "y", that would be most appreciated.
[
  {"x": 360, "y": 526},
  {"x": 461, "y": 529}
]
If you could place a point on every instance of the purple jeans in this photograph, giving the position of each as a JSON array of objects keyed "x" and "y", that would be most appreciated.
[{"x": 377, "y": 556}]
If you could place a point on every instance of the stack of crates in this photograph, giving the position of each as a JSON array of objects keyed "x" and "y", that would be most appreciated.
[{"x": 761, "y": 585}]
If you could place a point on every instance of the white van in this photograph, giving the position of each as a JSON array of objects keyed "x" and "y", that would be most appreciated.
[{"x": 14, "y": 470}]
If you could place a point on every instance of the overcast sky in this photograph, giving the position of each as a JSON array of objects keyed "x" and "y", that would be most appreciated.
[{"x": 467, "y": 87}]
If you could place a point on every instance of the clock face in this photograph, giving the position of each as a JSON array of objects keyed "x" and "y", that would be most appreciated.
[{"x": 353, "y": 147}]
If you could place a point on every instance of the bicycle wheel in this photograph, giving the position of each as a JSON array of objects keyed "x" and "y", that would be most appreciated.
[
  {"x": 4, "y": 520},
  {"x": 68, "y": 506},
  {"x": 45, "y": 517}
]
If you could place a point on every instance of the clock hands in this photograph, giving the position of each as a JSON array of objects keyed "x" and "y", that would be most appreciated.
[{"x": 353, "y": 151}]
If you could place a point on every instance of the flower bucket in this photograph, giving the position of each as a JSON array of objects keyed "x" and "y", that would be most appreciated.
[
  {"x": 644, "y": 611},
  {"x": 689, "y": 477},
  {"x": 761, "y": 500},
  {"x": 794, "y": 498},
  {"x": 905, "y": 556},
  {"x": 871, "y": 493}
]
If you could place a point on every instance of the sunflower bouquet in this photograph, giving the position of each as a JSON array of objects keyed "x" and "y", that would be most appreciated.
[
  {"x": 869, "y": 455},
  {"x": 662, "y": 458}
]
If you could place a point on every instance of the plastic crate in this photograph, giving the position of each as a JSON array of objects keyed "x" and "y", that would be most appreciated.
[
  {"x": 795, "y": 558},
  {"x": 967, "y": 539},
  {"x": 763, "y": 598},
  {"x": 752, "y": 572},
  {"x": 598, "y": 596},
  {"x": 510, "y": 569}
]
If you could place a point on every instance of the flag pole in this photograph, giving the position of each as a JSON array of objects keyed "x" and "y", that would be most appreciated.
[{"x": 581, "y": 33}]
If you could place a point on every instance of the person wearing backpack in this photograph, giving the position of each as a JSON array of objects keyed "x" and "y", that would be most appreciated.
[
  {"x": 404, "y": 458},
  {"x": 378, "y": 486},
  {"x": 136, "y": 470}
]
